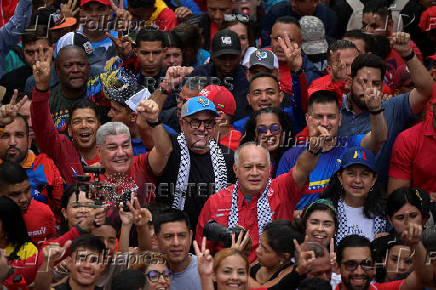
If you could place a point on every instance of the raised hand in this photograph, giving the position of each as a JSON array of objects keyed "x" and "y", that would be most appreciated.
[
  {"x": 141, "y": 216},
  {"x": 332, "y": 252},
  {"x": 412, "y": 235},
  {"x": 373, "y": 99},
  {"x": 338, "y": 67},
  {"x": 174, "y": 76},
  {"x": 304, "y": 258},
  {"x": 318, "y": 135},
  {"x": 124, "y": 45},
  {"x": 292, "y": 53},
  {"x": 96, "y": 217},
  {"x": 182, "y": 13},
  {"x": 53, "y": 252},
  {"x": 148, "y": 111},
  {"x": 400, "y": 41},
  {"x": 41, "y": 69},
  {"x": 122, "y": 17},
  {"x": 243, "y": 241},
  {"x": 9, "y": 112},
  {"x": 205, "y": 260},
  {"x": 125, "y": 217},
  {"x": 70, "y": 9}
]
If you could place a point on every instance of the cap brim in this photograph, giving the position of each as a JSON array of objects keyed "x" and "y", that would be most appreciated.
[
  {"x": 360, "y": 162},
  {"x": 196, "y": 111},
  {"x": 270, "y": 67},
  {"x": 315, "y": 47},
  {"x": 227, "y": 51},
  {"x": 69, "y": 21}
]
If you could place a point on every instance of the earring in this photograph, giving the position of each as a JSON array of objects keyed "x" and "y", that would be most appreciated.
[{"x": 281, "y": 262}]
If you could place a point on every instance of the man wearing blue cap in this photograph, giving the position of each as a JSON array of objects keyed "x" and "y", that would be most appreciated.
[{"x": 198, "y": 166}]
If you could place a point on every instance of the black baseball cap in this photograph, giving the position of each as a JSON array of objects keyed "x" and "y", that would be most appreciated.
[{"x": 226, "y": 42}]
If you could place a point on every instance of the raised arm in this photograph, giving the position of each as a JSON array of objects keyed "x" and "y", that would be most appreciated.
[
  {"x": 308, "y": 159},
  {"x": 11, "y": 32},
  {"x": 422, "y": 79},
  {"x": 375, "y": 139},
  {"x": 148, "y": 113}
]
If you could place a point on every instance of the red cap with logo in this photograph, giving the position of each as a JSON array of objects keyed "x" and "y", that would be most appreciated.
[
  {"x": 221, "y": 97},
  {"x": 104, "y": 2}
]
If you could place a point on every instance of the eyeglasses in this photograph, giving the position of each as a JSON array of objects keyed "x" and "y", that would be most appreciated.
[
  {"x": 154, "y": 275},
  {"x": 196, "y": 123},
  {"x": 366, "y": 265},
  {"x": 274, "y": 129},
  {"x": 240, "y": 17}
]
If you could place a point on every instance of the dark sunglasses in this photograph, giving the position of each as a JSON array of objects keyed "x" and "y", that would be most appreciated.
[
  {"x": 274, "y": 129},
  {"x": 195, "y": 123},
  {"x": 366, "y": 265},
  {"x": 239, "y": 17},
  {"x": 154, "y": 275}
]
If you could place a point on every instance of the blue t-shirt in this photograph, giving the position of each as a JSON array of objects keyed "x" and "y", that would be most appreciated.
[
  {"x": 328, "y": 163},
  {"x": 398, "y": 115}
]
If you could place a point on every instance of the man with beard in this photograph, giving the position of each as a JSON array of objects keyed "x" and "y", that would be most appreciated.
[
  {"x": 45, "y": 178},
  {"x": 357, "y": 267},
  {"x": 39, "y": 219},
  {"x": 367, "y": 71}
]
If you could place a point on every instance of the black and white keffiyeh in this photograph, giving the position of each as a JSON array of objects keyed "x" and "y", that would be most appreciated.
[
  {"x": 219, "y": 169},
  {"x": 264, "y": 215},
  {"x": 380, "y": 223}
]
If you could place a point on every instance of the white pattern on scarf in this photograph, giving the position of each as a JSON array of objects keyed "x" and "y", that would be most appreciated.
[
  {"x": 264, "y": 215},
  {"x": 219, "y": 170}
]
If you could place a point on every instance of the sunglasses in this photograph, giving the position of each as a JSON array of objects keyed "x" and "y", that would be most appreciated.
[
  {"x": 154, "y": 275},
  {"x": 195, "y": 123},
  {"x": 366, "y": 265},
  {"x": 274, "y": 129}
]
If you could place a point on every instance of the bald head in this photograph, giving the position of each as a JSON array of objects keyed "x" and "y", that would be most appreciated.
[{"x": 64, "y": 51}]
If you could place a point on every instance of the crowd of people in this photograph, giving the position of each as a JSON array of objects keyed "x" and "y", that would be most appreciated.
[{"x": 217, "y": 144}]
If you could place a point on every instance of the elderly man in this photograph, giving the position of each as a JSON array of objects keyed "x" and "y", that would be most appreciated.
[
  {"x": 198, "y": 165},
  {"x": 256, "y": 199}
]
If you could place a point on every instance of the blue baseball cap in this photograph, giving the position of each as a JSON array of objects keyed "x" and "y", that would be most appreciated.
[
  {"x": 198, "y": 104},
  {"x": 358, "y": 155}
]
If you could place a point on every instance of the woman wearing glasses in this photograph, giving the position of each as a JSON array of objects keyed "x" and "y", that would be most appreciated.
[
  {"x": 271, "y": 128},
  {"x": 155, "y": 267}
]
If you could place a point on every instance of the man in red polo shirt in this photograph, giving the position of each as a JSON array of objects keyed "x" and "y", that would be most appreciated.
[
  {"x": 413, "y": 156},
  {"x": 256, "y": 199}
]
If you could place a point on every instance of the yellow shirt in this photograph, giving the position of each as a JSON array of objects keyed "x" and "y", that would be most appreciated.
[{"x": 26, "y": 251}]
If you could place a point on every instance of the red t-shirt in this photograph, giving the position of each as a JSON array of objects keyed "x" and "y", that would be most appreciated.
[
  {"x": 283, "y": 196},
  {"x": 378, "y": 286},
  {"x": 326, "y": 83},
  {"x": 213, "y": 29},
  {"x": 231, "y": 140},
  {"x": 414, "y": 155},
  {"x": 40, "y": 222}
]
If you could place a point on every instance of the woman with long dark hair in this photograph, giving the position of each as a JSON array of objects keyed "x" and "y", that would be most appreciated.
[
  {"x": 407, "y": 205},
  {"x": 13, "y": 233},
  {"x": 359, "y": 200},
  {"x": 271, "y": 128}
]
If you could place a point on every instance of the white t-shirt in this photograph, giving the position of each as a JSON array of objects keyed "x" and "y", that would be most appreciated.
[{"x": 358, "y": 224}]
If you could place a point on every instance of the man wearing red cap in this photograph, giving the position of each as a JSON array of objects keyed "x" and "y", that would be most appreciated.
[
  {"x": 226, "y": 106},
  {"x": 413, "y": 156}
]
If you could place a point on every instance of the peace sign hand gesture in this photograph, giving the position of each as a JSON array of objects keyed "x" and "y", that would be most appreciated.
[
  {"x": 292, "y": 53},
  {"x": 204, "y": 258},
  {"x": 41, "y": 69},
  {"x": 9, "y": 112}
]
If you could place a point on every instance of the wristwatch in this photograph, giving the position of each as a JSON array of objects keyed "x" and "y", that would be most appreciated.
[
  {"x": 314, "y": 153},
  {"x": 154, "y": 124}
]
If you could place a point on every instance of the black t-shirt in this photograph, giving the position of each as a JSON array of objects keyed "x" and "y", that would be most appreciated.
[{"x": 201, "y": 183}]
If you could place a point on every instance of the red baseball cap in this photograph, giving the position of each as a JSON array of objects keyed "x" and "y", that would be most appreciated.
[
  {"x": 104, "y": 2},
  {"x": 427, "y": 21},
  {"x": 221, "y": 97}
]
